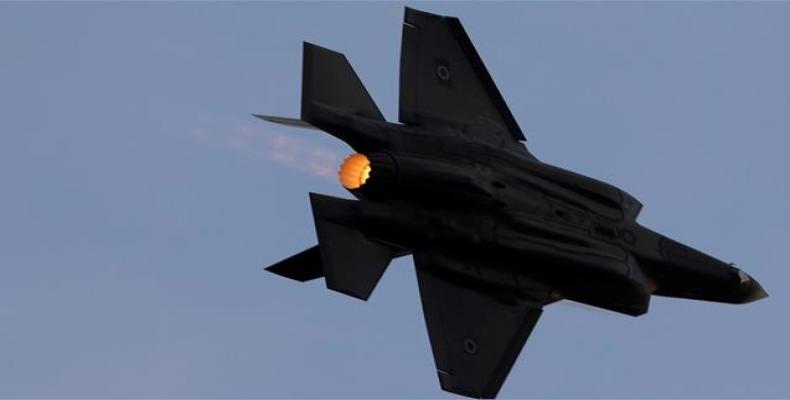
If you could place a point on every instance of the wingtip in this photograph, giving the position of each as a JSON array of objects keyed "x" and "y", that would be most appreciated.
[
  {"x": 412, "y": 12},
  {"x": 308, "y": 47}
]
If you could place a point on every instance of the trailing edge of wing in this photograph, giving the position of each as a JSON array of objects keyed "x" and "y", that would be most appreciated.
[{"x": 295, "y": 122}]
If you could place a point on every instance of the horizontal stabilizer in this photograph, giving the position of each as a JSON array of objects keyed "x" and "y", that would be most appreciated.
[
  {"x": 302, "y": 267},
  {"x": 353, "y": 263},
  {"x": 329, "y": 80},
  {"x": 297, "y": 123}
]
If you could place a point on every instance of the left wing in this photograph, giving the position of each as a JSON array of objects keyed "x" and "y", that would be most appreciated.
[{"x": 476, "y": 333}]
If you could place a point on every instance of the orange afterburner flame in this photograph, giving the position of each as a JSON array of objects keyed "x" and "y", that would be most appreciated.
[{"x": 354, "y": 171}]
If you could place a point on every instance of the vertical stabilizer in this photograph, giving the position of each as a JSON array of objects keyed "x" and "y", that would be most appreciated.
[{"x": 302, "y": 267}]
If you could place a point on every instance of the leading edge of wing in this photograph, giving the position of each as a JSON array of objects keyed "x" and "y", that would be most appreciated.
[{"x": 485, "y": 77}]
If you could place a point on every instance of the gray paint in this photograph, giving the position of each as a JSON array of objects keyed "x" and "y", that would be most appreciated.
[{"x": 132, "y": 231}]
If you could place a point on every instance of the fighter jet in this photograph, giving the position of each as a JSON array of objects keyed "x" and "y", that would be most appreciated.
[{"x": 496, "y": 235}]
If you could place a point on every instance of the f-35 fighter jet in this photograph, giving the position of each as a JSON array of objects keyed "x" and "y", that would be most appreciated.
[{"x": 495, "y": 233}]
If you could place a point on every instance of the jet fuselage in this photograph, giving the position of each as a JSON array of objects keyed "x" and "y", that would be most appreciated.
[
  {"x": 517, "y": 219},
  {"x": 494, "y": 233}
]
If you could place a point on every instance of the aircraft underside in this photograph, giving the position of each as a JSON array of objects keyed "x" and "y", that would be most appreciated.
[{"x": 495, "y": 234}]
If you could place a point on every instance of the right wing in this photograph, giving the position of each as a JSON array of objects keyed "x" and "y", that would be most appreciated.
[
  {"x": 443, "y": 81},
  {"x": 476, "y": 335}
]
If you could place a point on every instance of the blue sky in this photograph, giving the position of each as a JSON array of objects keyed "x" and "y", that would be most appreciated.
[{"x": 139, "y": 200}]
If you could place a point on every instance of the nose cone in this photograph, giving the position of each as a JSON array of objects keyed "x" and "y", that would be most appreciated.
[
  {"x": 750, "y": 290},
  {"x": 693, "y": 274}
]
